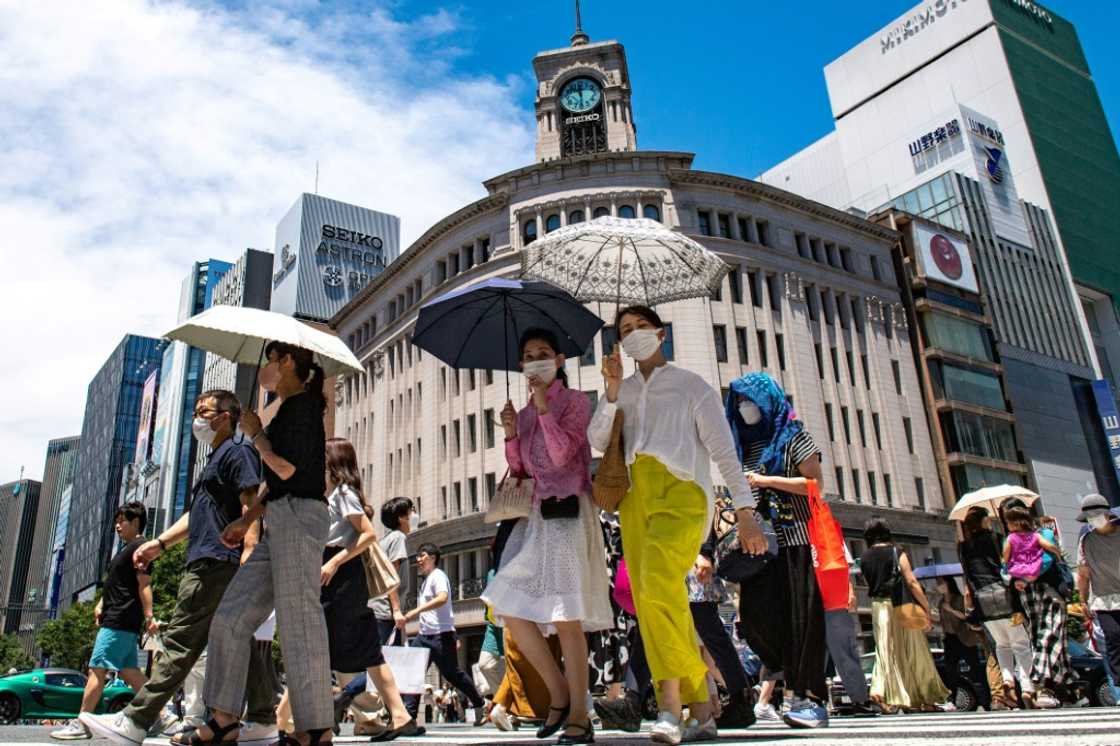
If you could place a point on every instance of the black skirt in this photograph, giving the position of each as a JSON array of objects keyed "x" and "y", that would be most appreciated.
[{"x": 351, "y": 626}]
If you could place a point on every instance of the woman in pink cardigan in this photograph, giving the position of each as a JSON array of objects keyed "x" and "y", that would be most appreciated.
[{"x": 552, "y": 578}]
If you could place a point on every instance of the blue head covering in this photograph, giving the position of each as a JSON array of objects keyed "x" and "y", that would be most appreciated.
[{"x": 779, "y": 423}]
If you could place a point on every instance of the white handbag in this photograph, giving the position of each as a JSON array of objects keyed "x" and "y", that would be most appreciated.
[
  {"x": 513, "y": 499},
  {"x": 409, "y": 666}
]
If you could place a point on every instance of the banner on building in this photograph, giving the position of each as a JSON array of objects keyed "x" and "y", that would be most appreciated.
[
  {"x": 943, "y": 257},
  {"x": 1110, "y": 421},
  {"x": 147, "y": 417}
]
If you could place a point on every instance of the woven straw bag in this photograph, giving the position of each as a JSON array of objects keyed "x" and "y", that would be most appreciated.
[{"x": 612, "y": 480}]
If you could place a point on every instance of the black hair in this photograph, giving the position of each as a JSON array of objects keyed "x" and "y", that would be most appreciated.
[
  {"x": 550, "y": 339},
  {"x": 645, "y": 312},
  {"x": 394, "y": 510},
  {"x": 307, "y": 370},
  {"x": 227, "y": 402},
  {"x": 133, "y": 511},
  {"x": 973, "y": 522},
  {"x": 429, "y": 548},
  {"x": 951, "y": 586},
  {"x": 877, "y": 531}
]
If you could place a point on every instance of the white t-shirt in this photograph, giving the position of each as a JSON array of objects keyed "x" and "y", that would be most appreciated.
[
  {"x": 342, "y": 503},
  {"x": 440, "y": 619}
]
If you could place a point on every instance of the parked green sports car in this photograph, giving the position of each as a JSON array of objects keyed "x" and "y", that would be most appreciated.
[{"x": 53, "y": 693}]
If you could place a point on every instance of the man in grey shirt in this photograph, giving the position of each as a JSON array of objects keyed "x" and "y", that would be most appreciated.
[
  {"x": 1098, "y": 573},
  {"x": 398, "y": 516}
]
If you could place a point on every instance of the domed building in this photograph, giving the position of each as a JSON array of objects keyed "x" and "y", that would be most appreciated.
[{"x": 812, "y": 299}]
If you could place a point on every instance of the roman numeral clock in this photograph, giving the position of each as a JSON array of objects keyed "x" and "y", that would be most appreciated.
[{"x": 583, "y": 126}]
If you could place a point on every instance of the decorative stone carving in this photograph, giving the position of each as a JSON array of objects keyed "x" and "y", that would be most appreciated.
[
  {"x": 378, "y": 361},
  {"x": 874, "y": 308},
  {"x": 795, "y": 287},
  {"x": 898, "y": 315},
  {"x": 338, "y": 386}
]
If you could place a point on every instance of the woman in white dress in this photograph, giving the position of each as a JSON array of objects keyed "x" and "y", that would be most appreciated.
[{"x": 552, "y": 578}]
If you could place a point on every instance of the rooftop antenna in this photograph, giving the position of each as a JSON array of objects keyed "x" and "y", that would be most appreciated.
[{"x": 579, "y": 38}]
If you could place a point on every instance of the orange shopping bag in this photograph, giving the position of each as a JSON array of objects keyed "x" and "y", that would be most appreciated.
[{"x": 829, "y": 562}]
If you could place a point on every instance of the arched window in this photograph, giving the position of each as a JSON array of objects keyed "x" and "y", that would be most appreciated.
[
  {"x": 551, "y": 223},
  {"x": 626, "y": 211},
  {"x": 651, "y": 212},
  {"x": 601, "y": 212},
  {"x": 575, "y": 216},
  {"x": 529, "y": 231}
]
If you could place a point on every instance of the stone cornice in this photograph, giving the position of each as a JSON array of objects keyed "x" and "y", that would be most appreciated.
[
  {"x": 496, "y": 183},
  {"x": 769, "y": 193},
  {"x": 488, "y": 203}
]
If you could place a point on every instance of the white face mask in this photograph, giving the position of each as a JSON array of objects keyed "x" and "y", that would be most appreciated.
[
  {"x": 750, "y": 412},
  {"x": 641, "y": 344},
  {"x": 203, "y": 433},
  {"x": 1098, "y": 521},
  {"x": 542, "y": 369}
]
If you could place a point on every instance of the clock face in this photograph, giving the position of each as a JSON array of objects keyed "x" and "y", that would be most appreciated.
[{"x": 580, "y": 95}]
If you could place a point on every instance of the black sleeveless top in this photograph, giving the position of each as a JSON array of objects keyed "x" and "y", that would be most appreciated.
[{"x": 878, "y": 567}]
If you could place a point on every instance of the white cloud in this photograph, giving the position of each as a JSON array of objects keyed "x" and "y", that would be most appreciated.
[{"x": 139, "y": 137}]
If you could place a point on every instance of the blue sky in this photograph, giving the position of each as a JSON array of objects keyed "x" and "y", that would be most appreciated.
[
  {"x": 738, "y": 82},
  {"x": 143, "y": 135}
]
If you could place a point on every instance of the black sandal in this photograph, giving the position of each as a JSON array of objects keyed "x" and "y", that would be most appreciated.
[
  {"x": 217, "y": 735},
  {"x": 316, "y": 736},
  {"x": 587, "y": 736},
  {"x": 547, "y": 730}
]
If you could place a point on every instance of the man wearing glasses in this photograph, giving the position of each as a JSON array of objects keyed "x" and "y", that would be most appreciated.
[{"x": 227, "y": 486}]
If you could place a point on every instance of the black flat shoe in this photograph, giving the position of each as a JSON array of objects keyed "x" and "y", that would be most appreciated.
[
  {"x": 408, "y": 729},
  {"x": 547, "y": 730},
  {"x": 587, "y": 736}
]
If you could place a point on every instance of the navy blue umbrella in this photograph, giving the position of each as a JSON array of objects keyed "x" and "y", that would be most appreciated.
[
  {"x": 938, "y": 571},
  {"x": 480, "y": 325}
]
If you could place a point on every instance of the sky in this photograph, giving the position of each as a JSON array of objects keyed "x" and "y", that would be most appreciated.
[{"x": 139, "y": 137}]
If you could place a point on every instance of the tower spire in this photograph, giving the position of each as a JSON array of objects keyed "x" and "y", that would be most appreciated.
[{"x": 579, "y": 38}]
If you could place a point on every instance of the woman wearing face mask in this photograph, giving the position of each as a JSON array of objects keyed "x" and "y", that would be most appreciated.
[
  {"x": 284, "y": 569},
  {"x": 780, "y": 458},
  {"x": 673, "y": 429},
  {"x": 552, "y": 578}
]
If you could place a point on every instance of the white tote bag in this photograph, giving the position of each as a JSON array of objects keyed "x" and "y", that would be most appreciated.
[{"x": 409, "y": 666}]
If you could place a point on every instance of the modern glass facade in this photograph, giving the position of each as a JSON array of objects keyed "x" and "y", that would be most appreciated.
[
  {"x": 108, "y": 441},
  {"x": 58, "y": 477},
  {"x": 1071, "y": 137},
  {"x": 935, "y": 200}
]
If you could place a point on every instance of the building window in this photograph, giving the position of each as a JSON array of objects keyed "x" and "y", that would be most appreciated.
[
  {"x": 763, "y": 356},
  {"x": 488, "y": 428},
  {"x": 835, "y": 365},
  {"x": 651, "y": 212},
  {"x": 744, "y": 229},
  {"x": 443, "y": 503},
  {"x": 802, "y": 242},
  {"x": 575, "y": 216},
  {"x": 441, "y": 271},
  {"x": 956, "y": 335},
  {"x": 866, "y": 371},
  {"x": 472, "y": 433},
  {"x": 887, "y": 490},
  {"x": 484, "y": 246},
  {"x": 468, "y": 256},
  {"x": 551, "y": 223},
  {"x": 856, "y": 485},
  {"x": 840, "y": 482},
  {"x": 920, "y": 491},
  {"x": 704, "y": 222},
  {"x": 755, "y": 289},
  {"x": 846, "y": 258},
  {"x": 832, "y": 255},
  {"x": 453, "y": 264},
  {"x": 896, "y": 371},
  {"x": 774, "y": 290},
  {"x": 735, "y": 282},
  {"x": 443, "y": 383},
  {"x": 828, "y": 419},
  {"x": 811, "y": 301},
  {"x": 878, "y": 432},
  {"x": 472, "y": 491},
  {"x": 846, "y": 424},
  {"x": 717, "y": 294},
  {"x": 763, "y": 232},
  {"x": 488, "y": 376},
  {"x": 779, "y": 346},
  {"x": 667, "y": 344},
  {"x": 458, "y": 487},
  {"x": 626, "y": 211},
  {"x": 820, "y": 360},
  {"x": 872, "y": 488},
  {"x": 601, "y": 212},
  {"x": 491, "y": 486},
  {"x": 851, "y": 366},
  {"x": 862, "y": 432},
  {"x": 458, "y": 438},
  {"x": 719, "y": 332},
  {"x": 529, "y": 231},
  {"x": 741, "y": 342},
  {"x": 908, "y": 428},
  {"x": 723, "y": 221},
  {"x": 962, "y": 384},
  {"x": 443, "y": 441},
  {"x": 981, "y": 436},
  {"x": 472, "y": 379},
  {"x": 875, "y": 271}
]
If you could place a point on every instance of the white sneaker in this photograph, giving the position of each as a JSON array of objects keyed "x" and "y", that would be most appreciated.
[
  {"x": 1046, "y": 701},
  {"x": 500, "y": 718},
  {"x": 117, "y": 728},
  {"x": 667, "y": 729},
  {"x": 766, "y": 713},
  {"x": 695, "y": 731},
  {"x": 258, "y": 734},
  {"x": 72, "y": 731}
]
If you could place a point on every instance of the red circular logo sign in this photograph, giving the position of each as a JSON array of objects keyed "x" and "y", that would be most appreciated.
[{"x": 946, "y": 257}]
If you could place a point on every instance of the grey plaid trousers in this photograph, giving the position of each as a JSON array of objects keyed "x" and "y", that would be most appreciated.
[{"x": 282, "y": 572}]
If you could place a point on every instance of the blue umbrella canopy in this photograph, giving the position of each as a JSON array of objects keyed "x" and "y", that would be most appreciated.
[
  {"x": 938, "y": 571},
  {"x": 480, "y": 325}
]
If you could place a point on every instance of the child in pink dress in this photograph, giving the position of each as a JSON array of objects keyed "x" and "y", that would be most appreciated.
[{"x": 1023, "y": 550}]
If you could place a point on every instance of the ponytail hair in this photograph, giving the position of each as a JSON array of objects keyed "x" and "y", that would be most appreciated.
[{"x": 308, "y": 371}]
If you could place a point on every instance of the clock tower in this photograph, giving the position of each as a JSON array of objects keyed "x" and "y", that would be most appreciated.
[{"x": 583, "y": 99}]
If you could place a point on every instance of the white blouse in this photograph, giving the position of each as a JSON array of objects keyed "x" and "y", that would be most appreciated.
[{"x": 677, "y": 418}]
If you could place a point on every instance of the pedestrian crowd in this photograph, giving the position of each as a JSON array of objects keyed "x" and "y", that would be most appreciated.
[{"x": 586, "y": 595}]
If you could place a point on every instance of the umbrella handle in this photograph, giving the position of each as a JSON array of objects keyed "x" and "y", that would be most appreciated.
[{"x": 253, "y": 396}]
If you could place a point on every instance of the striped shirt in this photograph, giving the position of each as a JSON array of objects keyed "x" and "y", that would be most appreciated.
[{"x": 789, "y": 513}]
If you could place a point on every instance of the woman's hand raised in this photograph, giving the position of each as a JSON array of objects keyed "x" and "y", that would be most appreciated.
[{"x": 612, "y": 373}]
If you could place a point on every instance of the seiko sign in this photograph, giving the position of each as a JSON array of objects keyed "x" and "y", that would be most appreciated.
[
  {"x": 582, "y": 118},
  {"x": 911, "y": 26},
  {"x": 330, "y": 231}
]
